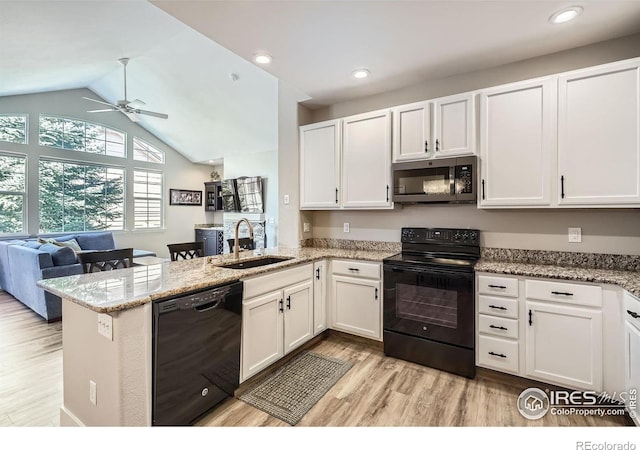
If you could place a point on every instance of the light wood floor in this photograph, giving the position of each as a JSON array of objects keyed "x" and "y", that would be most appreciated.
[{"x": 377, "y": 390}]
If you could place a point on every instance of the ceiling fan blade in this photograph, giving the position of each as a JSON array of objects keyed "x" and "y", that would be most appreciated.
[
  {"x": 98, "y": 101},
  {"x": 151, "y": 113},
  {"x": 131, "y": 115},
  {"x": 101, "y": 110}
]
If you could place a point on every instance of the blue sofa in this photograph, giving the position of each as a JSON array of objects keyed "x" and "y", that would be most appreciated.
[{"x": 24, "y": 262}]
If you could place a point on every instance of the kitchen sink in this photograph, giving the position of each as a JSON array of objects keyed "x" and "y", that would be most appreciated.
[{"x": 255, "y": 262}]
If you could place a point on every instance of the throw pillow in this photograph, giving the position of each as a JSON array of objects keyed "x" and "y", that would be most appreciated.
[
  {"x": 72, "y": 243},
  {"x": 60, "y": 256}
]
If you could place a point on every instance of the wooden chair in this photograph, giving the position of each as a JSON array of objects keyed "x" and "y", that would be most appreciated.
[
  {"x": 186, "y": 250},
  {"x": 243, "y": 243},
  {"x": 101, "y": 260}
]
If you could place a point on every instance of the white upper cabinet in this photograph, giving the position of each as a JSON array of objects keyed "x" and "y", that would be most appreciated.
[
  {"x": 598, "y": 141},
  {"x": 366, "y": 160},
  {"x": 517, "y": 141},
  {"x": 320, "y": 165},
  {"x": 412, "y": 132},
  {"x": 454, "y": 126}
]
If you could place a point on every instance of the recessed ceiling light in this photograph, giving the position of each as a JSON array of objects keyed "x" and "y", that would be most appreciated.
[
  {"x": 360, "y": 73},
  {"x": 262, "y": 58},
  {"x": 566, "y": 14}
]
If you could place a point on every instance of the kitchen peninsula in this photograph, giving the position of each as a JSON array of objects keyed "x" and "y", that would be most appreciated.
[{"x": 107, "y": 327}]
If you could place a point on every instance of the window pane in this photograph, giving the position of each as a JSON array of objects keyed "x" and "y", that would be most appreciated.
[
  {"x": 12, "y": 173},
  {"x": 11, "y": 213},
  {"x": 80, "y": 197},
  {"x": 13, "y": 129},
  {"x": 77, "y": 135},
  {"x": 142, "y": 151}
]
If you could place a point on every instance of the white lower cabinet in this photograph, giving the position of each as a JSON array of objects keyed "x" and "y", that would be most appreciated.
[
  {"x": 356, "y": 301},
  {"x": 546, "y": 330},
  {"x": 277, "y": 317},
  {"x": 564, "y": 345},
  {"x": 632, "y": 355}
]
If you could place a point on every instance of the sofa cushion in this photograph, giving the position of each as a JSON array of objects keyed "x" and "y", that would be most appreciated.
[
  {"x": 32, "y": 244},
  {"x": 60, "y": 256},
  {"x": 96, "y": 241}
]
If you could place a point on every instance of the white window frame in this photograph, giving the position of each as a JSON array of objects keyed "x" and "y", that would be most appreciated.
[
  {"x": 84, "y": 150},
  {"x": 93, "y": 164},
  {"x": 148, "y": 199}
]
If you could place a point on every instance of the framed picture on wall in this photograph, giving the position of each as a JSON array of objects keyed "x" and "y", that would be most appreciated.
[{"x": 185, "y": 197}]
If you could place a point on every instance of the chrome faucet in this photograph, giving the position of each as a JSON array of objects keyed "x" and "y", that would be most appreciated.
[{"x": 236, "y": 250}]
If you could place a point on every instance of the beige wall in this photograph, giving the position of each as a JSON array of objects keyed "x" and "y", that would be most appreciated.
[
  {"x": 179, "y": 173},
  {"x": 604, "y": 231}
]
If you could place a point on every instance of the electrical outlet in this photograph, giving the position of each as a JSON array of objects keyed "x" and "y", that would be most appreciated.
[
  {"x": 575, "y": 234},
  {"x": 105, "y": 326},
  {"x": 271, "y": 220},
  {"x": 93, "y": 392},
  {"x": 286, "y": 199},
  {"x": 345, "y": 227},
  {"x": 306, "y": 227}
]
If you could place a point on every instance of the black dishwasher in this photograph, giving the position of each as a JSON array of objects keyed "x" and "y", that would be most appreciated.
[{"x": 196, "y": 353}]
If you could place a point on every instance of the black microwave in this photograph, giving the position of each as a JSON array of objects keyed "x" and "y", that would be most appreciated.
[{"x": 446, "y": 180}]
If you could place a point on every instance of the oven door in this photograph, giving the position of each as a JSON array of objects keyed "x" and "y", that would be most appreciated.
[{"x": 431, "y": 302}]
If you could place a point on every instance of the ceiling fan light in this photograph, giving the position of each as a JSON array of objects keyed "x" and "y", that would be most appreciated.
[{"x": 566, "y": 14}]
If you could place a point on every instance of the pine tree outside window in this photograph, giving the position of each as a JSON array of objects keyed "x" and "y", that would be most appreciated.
[
  {"x": 13, "y": 128},
  {"x": 13, "y": 174}
]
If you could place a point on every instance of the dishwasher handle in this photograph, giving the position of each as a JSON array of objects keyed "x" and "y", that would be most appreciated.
[{"x": 208, "y": 306}]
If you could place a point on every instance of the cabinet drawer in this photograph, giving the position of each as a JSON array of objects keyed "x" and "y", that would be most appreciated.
[
  {"x": 360, "y": 269},
  {"x": 503, "y": 286},
  {"x": 498, "y": 326},
  {"x": 495, "y": 306},
  {"x": 499, "y": 354},
  {"x": 262, "y": 284},
  {"x": 631, "y": 308},
  {"x": 559, "y": 292}
]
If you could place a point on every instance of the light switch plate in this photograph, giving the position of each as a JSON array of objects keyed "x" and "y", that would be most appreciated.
[
  {"x": 306, "y": 227},
  {"x": 286, "y": 199},
  {"x": 345, "y": 227},
  {"x": 575, "y": 234}
]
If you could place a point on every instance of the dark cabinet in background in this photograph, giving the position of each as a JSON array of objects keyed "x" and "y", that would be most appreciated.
[
  {"x": 213, "y": 240},
  {"x": 213, "y": 196}
]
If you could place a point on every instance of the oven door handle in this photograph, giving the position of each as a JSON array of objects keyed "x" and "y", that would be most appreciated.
[{"x": 451, "y": 273}]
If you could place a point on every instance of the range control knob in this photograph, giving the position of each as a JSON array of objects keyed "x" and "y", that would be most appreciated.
[
  {"x": 473, "y": 236},
  {"x": 457, "y": 236}
]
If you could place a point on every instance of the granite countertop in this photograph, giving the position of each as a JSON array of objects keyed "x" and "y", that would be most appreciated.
[
  {"x": 627, "y": 279},
  {"x": 118, "y": 290}
]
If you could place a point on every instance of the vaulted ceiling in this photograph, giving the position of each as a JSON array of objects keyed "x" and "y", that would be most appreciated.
[{"x": 183, "y": 53}]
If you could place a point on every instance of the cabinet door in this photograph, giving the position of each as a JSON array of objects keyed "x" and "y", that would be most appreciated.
[
  {"x": 454, "y": 125},
  {"x": 261, "y": 332},
  {"x": 564, "y": 345},
  {"x": 298, "y": 315},
  {"x": 598, "y": 142},
  {"x": 517, "y": 139},
  {"x": 356, "y": 306},
  {"x": 320, "y": 165},
  {"x": 412, "y": 132},
  {"x": 632, "y": 358},
  {"x": 366, "y": 160},
  {"x": 319, "y": 297},
  {"x": 210, "y": 239}
]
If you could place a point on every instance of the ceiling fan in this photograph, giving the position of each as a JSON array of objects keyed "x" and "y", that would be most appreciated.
[{"x": 128, "y": 108}]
